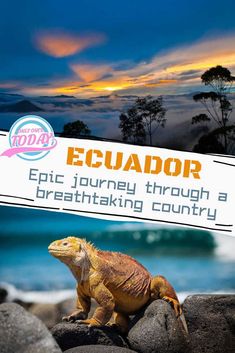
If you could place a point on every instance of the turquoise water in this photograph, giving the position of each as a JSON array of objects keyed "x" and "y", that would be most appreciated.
[{"x": 192, "y": 260}]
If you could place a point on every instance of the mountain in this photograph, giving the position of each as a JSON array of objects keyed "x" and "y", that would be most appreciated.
[
  {"x": 23, "y": 106},
  {"x": 15, "y": 95},
  {"x": 116, "y": 96},
  {"x": 9, "y": 97},
  {"x": 59, "y": 96}
]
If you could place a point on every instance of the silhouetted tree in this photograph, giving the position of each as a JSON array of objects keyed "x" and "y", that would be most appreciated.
[
  {"x": 75, "y": 129},
  {"x": 132, "y": 127},
  {"x": 200, "y": 118},
  {"x": 152, "y": 113},
  {"x": 143, "y": 118},
  {"x": 209, "y": 143},
  {"x": 216, "y": 102}
]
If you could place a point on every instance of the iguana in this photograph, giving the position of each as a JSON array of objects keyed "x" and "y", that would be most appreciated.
[{"x": 119, "y": 284}]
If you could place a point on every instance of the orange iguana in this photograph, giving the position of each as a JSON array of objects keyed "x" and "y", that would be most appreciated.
[{"x": 119, "y": 284}]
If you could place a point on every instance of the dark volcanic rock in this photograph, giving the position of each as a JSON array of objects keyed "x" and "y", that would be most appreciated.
[
  {"x": 22, "y": 332},
  {"x": 69, "y": 335},
  {"x": 158, "y": 330},
  {"x": 211, "y": 323},
  {"x": 3, "y": 295},
  {"x": 99, "y": 349}
]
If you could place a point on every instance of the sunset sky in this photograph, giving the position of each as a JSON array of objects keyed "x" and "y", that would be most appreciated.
[{"x": 89, "y": 48}]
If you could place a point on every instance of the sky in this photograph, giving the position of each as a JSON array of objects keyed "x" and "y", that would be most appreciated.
[{"x": 91, "y": 48}]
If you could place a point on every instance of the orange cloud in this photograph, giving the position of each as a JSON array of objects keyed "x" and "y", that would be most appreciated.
[
  {"x": 60, "y": 44},
  {"x": 197, "y": 57},
  {"x": 89, "y": 73},
  {"x": 93, "y": 88},
  {"x": 111, "y": 85},
  {"x": 179, "y": 67},
  {"x": 160, "y": 82},
  {"x": 171, "y": 71}
]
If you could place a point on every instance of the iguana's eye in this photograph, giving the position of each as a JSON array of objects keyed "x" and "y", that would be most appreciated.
[{"x": 65, "y": 243}]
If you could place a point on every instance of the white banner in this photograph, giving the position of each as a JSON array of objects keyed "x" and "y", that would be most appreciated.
[{"x": 118, "y": 181}]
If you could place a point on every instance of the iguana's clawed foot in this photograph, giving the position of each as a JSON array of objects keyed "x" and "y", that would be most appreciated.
[
  {"x": 117, "y": 327},
  {"x": 76, "y": 315},
  {"x": 90, "y": 322},
  {"x": 175, "y": 305}
]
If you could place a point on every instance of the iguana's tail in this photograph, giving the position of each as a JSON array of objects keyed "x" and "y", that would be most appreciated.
[
  {"x": 162, "y": 289},
  {"x": 183, "y": 322}
]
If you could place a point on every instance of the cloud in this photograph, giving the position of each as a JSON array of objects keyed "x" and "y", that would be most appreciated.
[
  {"x": 160, "y": 82},
  {"x": 60, "y": 44},
  {"x": 10, "y": 85},
  {"x": 189, "y": 59},
  {"x": 89, "y": 72},
  {"x": 101, "y": 114},
  {"x": 176, "y": 71}
]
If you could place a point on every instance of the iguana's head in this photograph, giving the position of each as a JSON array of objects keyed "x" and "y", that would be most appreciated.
[{"x": 70, "y": 250}]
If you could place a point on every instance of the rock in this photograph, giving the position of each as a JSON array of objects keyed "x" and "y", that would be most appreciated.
[
  {"x": 22, "y": 332},
  {"x": 69, "y": 335},
  {"x": 67, "y": 306},
  {"x": 3, "y": 295},
  {"x": 211, "y": 323},
  {"x": 25, "y": 305},
  {"x": 49, "y": 314},
  {"x": 99, "y": 349},
  {"x": 157, "y": 329}
]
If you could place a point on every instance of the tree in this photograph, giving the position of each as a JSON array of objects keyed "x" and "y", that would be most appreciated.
[
  {"x": 75, "y": 129},
  {"x": 216, "y": 102},
  {"x": 145, "y": 116},
  {"x": 208, "y": 143},
  {"x": 132, "y": 127},
  {"x": 219, "y": 78},
  {"x": 152, "y": 113}
]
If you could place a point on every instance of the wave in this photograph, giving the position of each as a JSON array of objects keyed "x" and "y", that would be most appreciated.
[
  {"x": 224, "y": 246},
  {"x": 131, "y": 237},
  {"x": 142, "y": 238},
  {"x": 157, "y": 237},
  {"x": 55, "y": 297}
]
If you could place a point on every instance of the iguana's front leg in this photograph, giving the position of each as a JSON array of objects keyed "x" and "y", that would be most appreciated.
[
  {"x": 162, "y": 289},
  {"x": 83, "y": 307},
  {"x": 121, "y": 322},
  {"x": 106, "y": 306}
]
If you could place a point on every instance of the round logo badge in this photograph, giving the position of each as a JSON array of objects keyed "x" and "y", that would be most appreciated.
[{"x": 31, "y": 138}]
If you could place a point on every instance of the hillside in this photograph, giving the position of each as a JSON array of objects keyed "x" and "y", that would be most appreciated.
[{"x": 23, "y": 106}]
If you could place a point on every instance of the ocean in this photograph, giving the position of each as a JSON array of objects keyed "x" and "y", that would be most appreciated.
[{"x": 194, "y": 261}]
